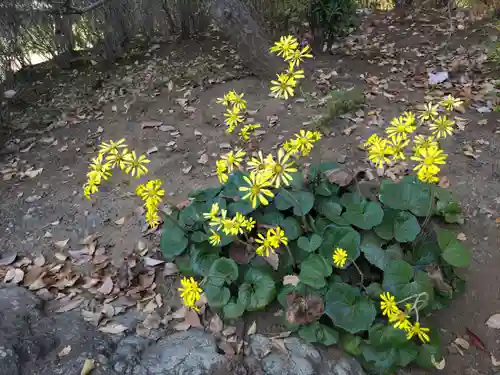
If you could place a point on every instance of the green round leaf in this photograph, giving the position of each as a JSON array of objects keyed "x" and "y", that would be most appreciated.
[
  {"x": 427, "y": 351},
  {"x": 298, "y": 181},
  {"x": 331, "y": 209},
  {"x": 386, "y": 336},
  {"x": 453, "y": 252},
  {"x": 311, "y": 243},
  {"x": 365, "y": 215},
  {"x": 244, "y": 207},
  {"x": 303, "y": 202},
  {"x": 348, "y": 309},
  {"x": 406, "y": 227},
  {"x": 342, "y": 237},
  {"x": 407, "y": 195},
  {"x": 316, "y": 170},
  {"x": 173, "y": 240},
  {"x": 351, "y": 344},
  {"x": 205, "y": 195},
  {"x": 223, "y": 270},
  {"x": 407, "y": 354},
  {"x": 262, "y": 289},
  {"x": 217, "y": 296},
  {"x": 271, "y": 217},
  {"x": 380, "y": 361},
  {"x": 371, "y": 246},
  {"x": 351, "y": 200},
  {"x": 193, "y": 214},
  {"x": 233, "y": 310},
  {"x": 374, "y": 290},
  {"x": 199, "y": 237},
  {"x": 397, "y": 276},
  {"x": 202, "y": 258},
  {"x": 326, "y": 188},
  {"x": 317, "y": 332},
  {"x": 385, "y": 229},
  {"x": 314, "y": 270},
  {"x": 292, "y": 228}
]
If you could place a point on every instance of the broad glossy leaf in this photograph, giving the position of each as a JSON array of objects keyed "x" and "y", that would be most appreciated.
[
  {"x": 173, "y": 239},
  {"x": 348, "y": 309},
  {"x": 365, "y": 215},
  {"x": 453, "y": 252},
  {"x": 397, "y": 275},
  {"x": 311, "y": 243},
  {"x": 262, "y": 288},
  {"x": 314, "y": 270},
  {"x": 223, "y": 270},
  {"x": 319, "y": 333},
  {"x": 343, "y": 237}
]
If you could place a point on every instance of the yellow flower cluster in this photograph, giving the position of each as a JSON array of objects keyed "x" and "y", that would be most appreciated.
[
  {"x": 190, "y": 293},
  {"x": 116, "y": 155},
  {"x": 426, "y": 150},
  {"x": 270, "y": 242},
  {"x": 401, "y": 318},
  {"x": 229, "y": 226},
  {"x": 303, "y": 142},
  {"x": 288, "y": 48},
  {"x": 235, "y": 115}
]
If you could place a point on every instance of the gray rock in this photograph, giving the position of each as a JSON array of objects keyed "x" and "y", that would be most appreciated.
[
  {"x": 193, "y": 352},
  {"x": 302, "y": 359}
]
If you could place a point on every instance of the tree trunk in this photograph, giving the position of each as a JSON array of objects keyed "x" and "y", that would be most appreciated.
[{"x": 248, "y": 37}]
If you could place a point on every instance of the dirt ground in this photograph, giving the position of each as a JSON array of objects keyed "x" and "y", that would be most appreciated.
[{"x": 164, "y": 103}]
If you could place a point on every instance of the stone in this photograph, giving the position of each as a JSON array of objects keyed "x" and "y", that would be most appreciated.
[{"x": 192, "y": 352}]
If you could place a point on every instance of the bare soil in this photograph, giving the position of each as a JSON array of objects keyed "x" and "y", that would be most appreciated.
[{"x": 176, "y": 85}]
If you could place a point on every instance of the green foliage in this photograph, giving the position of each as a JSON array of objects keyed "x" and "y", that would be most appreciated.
[
  {"x": 333, "y": 17},
  {"x": 386, "y": 248},
  {"x": 340, "y": 102}
]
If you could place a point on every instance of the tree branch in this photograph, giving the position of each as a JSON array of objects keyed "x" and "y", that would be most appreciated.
[{"x": 64, "y": 8}]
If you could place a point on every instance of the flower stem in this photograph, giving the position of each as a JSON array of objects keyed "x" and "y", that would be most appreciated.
[{"x": 360, "y": 274}]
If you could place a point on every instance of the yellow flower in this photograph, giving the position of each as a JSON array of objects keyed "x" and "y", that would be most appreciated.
[
  {"x": 397, "y": 146},
  {"x": 227, "y": 100},
  {"x": 135, "y": 166},
  {"x": 372, "y": 139},
  {"x": 298, "y": 56},
  {"x": 339, "y": 257},
  {"x": 266, "y": 245},
  {"x": 388, "y": 304},
  {"x": 118, "y": 159},
  {"x": 426, "y": 175},
  {"x": 239, "y": 222},
  {"x": 400, "y": 127},
  {"x": 257, "y": 189},
  {"x": 378, "y": 153},
  {"x": 442, "y": 127},
  {"x": 316, "y": 135},
  {"x": 304, "y": 141},
  {"x": 429, "y": 159},
  {"x": 151, "y": 191},
  {"x": 227, "y": 226},
  {"x": 257, "y": 164},
  {"x": 214, "y": 211},
  {"x": 238, "y": 101},
  {"x": 233, "y": 160},
  {"x": 409, "y": 118},
  {"x": 190, "y": 292},
  {"x": 400, "y": 320},
  {"x": 233, "y": 117},
  {"x": 280, "y": 169},
  {"x": 450, "y": 103},
  {"x": 277, "y": 237},
  {"x": 421, "y": 332},
  {"x": 222, "y": 171},
  {"x": 215, "y": 238},
  {"x": 247, "y": 130},
  {"x": 421, "y": 142},
  {"x": 217, "y": 221},
  {"x": 249, "y": 224},
  {"x": 112, "y": 147},
  {"x": 283, "y": 87},
  {"x": 92, "y": 184},
  {"x": 294, "y": 74},
  {"x": 152, "y": 217},
  {"x": 429, "y": 112},
  {"x": 285, "y": 46},
  {"x": 100, "y": 167}
]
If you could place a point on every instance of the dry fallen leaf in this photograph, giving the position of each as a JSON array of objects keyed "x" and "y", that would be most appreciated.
[
  {"x": 107, "y": 286},
  {"x": 462, "y": 343},
  {"x": 120, "y": 221},
  {"x": 494, "y": 321},
  {"x": 216, "y": 324},
  {"x": 8, "y": 259},
  {"x": 181, "y": 313},
  {"x": 14, "y": 276},
  {"x": 339, "y": 177},
  {"x": 439, "y": 365},
  {"x": 253, "y": 328},
  {"x": 151, "y": 262},
  {"x": 88, "y": 366},
  {"x": 71, "y": 305},
  {"x": 461, "y": 236},
  {"x": 33, "y": 172},
  {"x": 170, "y": 269},
  {"x": 113, "y": 328},
  {"x": 494, "y": 361},
  {"x": 61, "y": 245},
  {"x": 64, "y": 351}
]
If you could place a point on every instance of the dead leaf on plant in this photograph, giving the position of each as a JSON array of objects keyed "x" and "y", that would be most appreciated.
[
  {"x": 303, "y": 309},
  {"x": 291, "y": 280},
  {"x": 216, "y": 325},
  {"x": 239, "y": 253},
  {"x": 253, "y": 328}
]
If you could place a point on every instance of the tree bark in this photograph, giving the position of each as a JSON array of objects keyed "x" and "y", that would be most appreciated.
[{"x": 248, "y": 37}]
